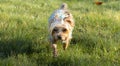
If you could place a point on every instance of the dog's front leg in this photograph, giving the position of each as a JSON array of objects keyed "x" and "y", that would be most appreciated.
[{"x": 54, "y": 47}]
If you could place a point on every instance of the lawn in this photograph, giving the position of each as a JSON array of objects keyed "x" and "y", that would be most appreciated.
[{"x": 24, "y": 33}]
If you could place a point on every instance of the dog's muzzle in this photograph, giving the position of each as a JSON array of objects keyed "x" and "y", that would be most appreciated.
[{"x": 59, "y": 37}]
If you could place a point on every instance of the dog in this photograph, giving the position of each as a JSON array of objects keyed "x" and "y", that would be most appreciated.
[{"x": 61, "y": 25}]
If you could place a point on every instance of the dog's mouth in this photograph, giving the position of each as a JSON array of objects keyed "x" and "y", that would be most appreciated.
[{"x": 63, "y": 41}]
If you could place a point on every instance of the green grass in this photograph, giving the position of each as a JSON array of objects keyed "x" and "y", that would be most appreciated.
[{"x": 24, "y": 33}]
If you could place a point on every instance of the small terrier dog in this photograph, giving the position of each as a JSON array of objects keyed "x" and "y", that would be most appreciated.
[{"x": 61, "y": 25}]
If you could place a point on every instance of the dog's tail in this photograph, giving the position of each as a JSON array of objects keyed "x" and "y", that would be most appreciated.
[{"x": 64, "y": 6}]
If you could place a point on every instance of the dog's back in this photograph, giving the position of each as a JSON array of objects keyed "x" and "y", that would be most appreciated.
[
  {"x": 59, "y": 12},
  {"x": 60, "y": 15}
]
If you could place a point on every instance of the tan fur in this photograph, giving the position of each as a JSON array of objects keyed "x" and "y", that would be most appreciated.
[{"x": 60, "y": 27}]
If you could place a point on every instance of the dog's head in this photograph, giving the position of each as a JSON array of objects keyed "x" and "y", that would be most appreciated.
[
  {"x": 60, "y": 32},
  {"x": 61, "y": 28}
]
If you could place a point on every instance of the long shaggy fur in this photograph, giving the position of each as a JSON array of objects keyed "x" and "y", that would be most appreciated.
[{"x": 61, "y": 25}]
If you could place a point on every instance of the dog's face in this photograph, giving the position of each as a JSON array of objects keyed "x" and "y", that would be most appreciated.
[{"x": 60, "y": 32}]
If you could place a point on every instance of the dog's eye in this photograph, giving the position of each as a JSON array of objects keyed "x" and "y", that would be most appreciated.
[
  {"x": 55, "y": 30},
  {"x": 64, "y": 30}
]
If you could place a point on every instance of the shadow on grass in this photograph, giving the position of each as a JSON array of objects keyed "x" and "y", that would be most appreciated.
[
  {"x": 62, "y": 62},
  {"x": 59, "y": 61},
  {"x": 14, "y": 47}
]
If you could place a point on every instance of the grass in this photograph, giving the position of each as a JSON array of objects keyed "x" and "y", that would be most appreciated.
[{"x": 24, "y": 34}]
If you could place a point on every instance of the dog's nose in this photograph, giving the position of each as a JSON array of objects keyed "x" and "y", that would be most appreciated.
[{"x": 59, "y": 37}]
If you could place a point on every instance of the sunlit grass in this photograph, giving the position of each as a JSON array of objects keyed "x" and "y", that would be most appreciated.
[{"x": 24, "y": 33}]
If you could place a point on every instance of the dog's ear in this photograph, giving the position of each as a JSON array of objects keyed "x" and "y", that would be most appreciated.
[{"x": 69, "y": 20}]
